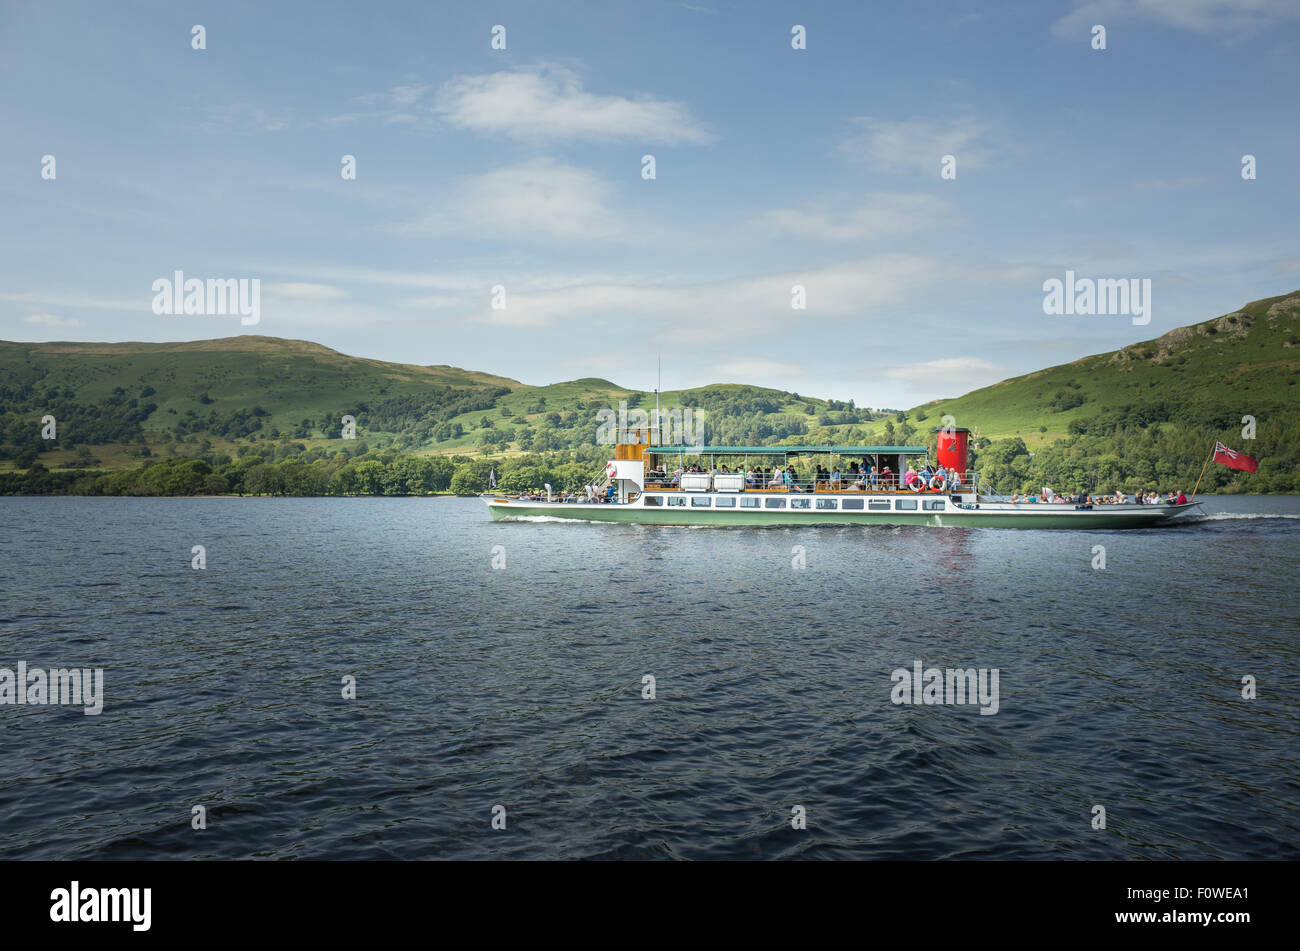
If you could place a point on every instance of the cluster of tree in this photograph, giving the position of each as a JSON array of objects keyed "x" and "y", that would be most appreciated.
[
  {"x": 1153, "y": 458},
  {"x": 301, "y": 472},
  {"x": 117, "y": 418}
]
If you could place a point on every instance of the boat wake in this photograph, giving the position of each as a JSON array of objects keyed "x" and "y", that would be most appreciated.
[{"x": 1239, "y": 516}]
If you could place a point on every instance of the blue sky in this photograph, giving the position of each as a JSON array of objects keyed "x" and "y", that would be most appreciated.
[{"x": 774, "y": 167}]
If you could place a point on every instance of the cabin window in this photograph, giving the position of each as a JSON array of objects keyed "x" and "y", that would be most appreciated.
[
  {"x": 774, "y": 503},
  {"x": 654, "y": 500},
  {"x": 878, "y": 504},
  {"x": 933, "y": 505},
  {"x": 726, "y": 501},
  {"x": 832, "y": 503},
  {"x": 901, "y": 505},
  {"x": 701, "y": 501},
  {"x": 676, "y": 500},
  {"x": 749, "y": 502},
  {"x": 800, "y": 503},
  {"x": 848, "y": 503}
]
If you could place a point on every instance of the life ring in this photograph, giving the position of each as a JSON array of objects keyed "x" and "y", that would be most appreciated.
[
  {"x": 611, "y": 468},
  {"x": 936, "y": 483}
]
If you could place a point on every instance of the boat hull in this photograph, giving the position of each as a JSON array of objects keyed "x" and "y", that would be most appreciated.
[{"x": 988, "y": 515}]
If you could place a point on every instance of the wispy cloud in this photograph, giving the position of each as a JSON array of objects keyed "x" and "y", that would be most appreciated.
[
  {"x": 719, "y": 310},
  {"x": 919, "y": 144},
  {"x": 880, "y": 215},
  {"x": 51, "y": 320},
  {"x": 966, "y": 373},
  {"x": 542, "y": 197},
  {"x": 1231, "y": 20},
  {"x": 1170, "y": 184},
  {"x": 548, "y": 103},
  {"x": 316, "y": 292},
  {"x": 756, "y": 368},
  {"x": 241, "y": 118}
]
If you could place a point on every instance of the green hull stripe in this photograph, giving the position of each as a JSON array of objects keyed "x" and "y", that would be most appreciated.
[{"x": 953, "y": 517}]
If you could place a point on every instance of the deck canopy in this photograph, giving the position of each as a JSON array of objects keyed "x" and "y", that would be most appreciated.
[{"x": 786, "y": 450}]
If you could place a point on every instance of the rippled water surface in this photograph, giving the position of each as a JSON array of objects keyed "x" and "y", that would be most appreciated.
[{"x": 522, "y": 686}]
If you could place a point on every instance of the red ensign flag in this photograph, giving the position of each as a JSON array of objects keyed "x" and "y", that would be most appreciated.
[{"x": 1233, "y": 459}]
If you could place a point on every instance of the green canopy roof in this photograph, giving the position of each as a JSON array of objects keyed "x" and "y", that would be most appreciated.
[{"x": 785, "y": 450}]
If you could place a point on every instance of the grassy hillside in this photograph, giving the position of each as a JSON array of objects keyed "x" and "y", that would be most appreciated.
[
  {"x": 118, "y": 402},
  {"x": 1143, "y": 416},
  {"x": 1243, "y": 363},
  {"x": 1146, "y": 414}
]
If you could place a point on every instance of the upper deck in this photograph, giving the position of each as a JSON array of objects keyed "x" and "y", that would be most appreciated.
[{"x": 850, "y": 469}]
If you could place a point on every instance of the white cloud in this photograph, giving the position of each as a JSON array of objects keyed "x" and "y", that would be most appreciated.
[
  {"x": 540, "y": 197},
  {"x": 742, "y": 368},
  {"x": 549, "y": 104},
  {"x": 919, "y": 144},
  {"x": 881, "y": 215},
  {"x": 76, "y": 303},
  {"x": 1228, "y": 19},
  {"x": 722, "y": 309},
  {"x": 51, "y": 320},
  {"x": 950, "y": 374},
  {"x": 1170, "y": 184},
  {"x": 316, "y": 292}
]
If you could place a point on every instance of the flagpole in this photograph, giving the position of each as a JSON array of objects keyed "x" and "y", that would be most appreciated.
[{"x": 1202, "y": 475}]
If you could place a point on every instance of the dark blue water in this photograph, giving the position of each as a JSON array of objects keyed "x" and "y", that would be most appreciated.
[{"x": 523, "y": 686}]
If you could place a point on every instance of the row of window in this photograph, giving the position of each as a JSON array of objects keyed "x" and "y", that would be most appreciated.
[{"x": 753, "y": 502}]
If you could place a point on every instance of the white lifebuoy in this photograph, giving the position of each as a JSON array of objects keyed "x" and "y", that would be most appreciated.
[
  {"x": 936, "y": 483},
  {"x": 611, "y": 468}
]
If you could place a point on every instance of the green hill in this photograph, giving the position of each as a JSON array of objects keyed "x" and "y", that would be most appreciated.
[
  {"x": 1243, "y": 363},
  {"x": 1144, "y": 415},
  {"x": 1161, "y": 402},
  {"x": 116, "y": 402}
]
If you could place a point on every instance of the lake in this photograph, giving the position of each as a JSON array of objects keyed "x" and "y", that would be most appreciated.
[{"x": 523, "y": 686}]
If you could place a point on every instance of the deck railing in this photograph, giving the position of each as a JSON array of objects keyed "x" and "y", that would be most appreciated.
[{"x": 846, "y": 483}]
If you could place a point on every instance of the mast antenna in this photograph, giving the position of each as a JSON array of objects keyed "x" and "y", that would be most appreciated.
[{"x": 659, "y": 382}]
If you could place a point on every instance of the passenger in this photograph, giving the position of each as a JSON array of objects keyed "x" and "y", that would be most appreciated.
[
  {"x": 873, "y": 478},
  {"x": 1015, "y": 497},
  {"x": 910, "y": 478},
  {"x": 1181, "y": 500},
  {"x": 887, "y": 477}
]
